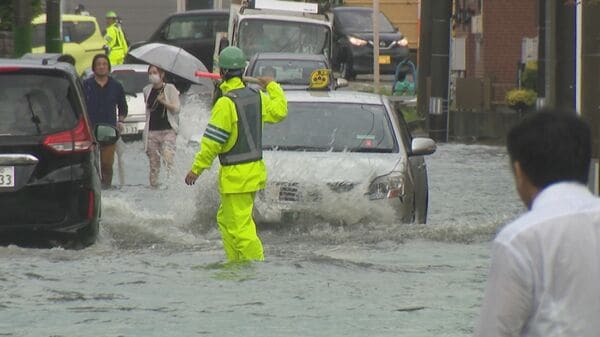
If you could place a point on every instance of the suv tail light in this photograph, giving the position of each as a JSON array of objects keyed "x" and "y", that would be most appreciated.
[{"x": 78, "y": 139}]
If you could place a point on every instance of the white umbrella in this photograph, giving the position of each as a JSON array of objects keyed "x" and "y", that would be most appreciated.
[{"x": 172, "y": 59}]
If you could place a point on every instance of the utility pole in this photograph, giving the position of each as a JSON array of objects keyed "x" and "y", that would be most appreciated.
[
  {"x": 565, "y": 56},
  {"x": 550, "y": 54},
  {"x": 441, "y": 11},
  {"x": 376, "y": 45},
  {"x": 22, "y": 30},
  {"x": 424, "y": 58},
  {"x": 53, "y": 27},
  {"x": 590, "y": 81},
  {"x": 541, "y": 63}
]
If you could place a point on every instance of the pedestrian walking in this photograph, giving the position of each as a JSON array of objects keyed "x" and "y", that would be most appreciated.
[
  {"x": 545, "y": 266},
  {"x": 234, "y": 133},
  {"x": 116, "y": 43},
  {"x": 104, "y": 96},
  {"x": 162, "y": 122}
]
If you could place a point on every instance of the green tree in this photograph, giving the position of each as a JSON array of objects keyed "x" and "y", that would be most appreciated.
[{"x": 7, "y": 12}]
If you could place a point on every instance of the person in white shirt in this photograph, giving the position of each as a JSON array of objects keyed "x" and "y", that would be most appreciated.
[{"x": 544, "y": 278}]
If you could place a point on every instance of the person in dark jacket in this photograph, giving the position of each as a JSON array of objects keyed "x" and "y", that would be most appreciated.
[{"x": 104, "y": 96}]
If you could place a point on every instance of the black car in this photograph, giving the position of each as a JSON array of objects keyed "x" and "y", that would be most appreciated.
[
  {"x": 353, "y": 42},
  {"x": 49, "y": 157},
  {"x": 291, "y": 70},
  {"x": 194, "y": 31}
]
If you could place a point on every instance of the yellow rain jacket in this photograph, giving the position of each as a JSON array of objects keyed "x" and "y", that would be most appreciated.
[
  {"x": 117, "y": 45},
  {"x": 246, "y": 177}
]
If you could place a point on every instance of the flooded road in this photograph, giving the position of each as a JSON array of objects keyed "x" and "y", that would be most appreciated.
[{"x": 157, "y": 268}]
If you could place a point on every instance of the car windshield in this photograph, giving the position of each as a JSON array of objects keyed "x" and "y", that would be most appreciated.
[
  {"x": 287, "y": 71},
  {"x": 195, "y": 27},
  {"x": 283, "y": 36},
  {"x": 35, "y": 104},
  {"x": 132, "y": 81},
  {"x": 362, "y": 21},
  {"x": 331, "y": 126},
  {"x": 76, "y": 32}
]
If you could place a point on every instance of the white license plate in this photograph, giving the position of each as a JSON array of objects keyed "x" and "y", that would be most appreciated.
[
  {"x": 7, "y": 176},
  {"x": 129, "y": 129}
]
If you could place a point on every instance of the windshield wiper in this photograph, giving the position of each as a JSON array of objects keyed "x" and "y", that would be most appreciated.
[
  {"x": 34, "y": 118},
  {"x": 370, "y": 150},
  {"x": 297, "y": 148}
]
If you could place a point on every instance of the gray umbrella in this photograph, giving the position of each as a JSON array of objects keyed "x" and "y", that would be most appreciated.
[{"x": 172, "y": 59}]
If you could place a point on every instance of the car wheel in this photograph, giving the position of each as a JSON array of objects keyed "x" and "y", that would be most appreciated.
[
  {"x": 421, "y": 214},
  {"x": 84, "y": 237},
  {"x": 346, "y": 71}
]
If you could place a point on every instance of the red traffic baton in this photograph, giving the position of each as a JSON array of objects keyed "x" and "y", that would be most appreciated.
[
  {"x": 207, "y": 75},
  {"x": 218, "y": 77}
]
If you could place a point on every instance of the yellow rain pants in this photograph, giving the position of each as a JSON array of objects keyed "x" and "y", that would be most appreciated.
[{"x": 237, "y": 227}]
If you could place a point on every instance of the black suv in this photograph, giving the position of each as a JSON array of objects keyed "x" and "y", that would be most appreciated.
[
  {"x": 194, "y": 31},
  {"x": 49, "y": 158},
  {"x": 353, "y": 42}
]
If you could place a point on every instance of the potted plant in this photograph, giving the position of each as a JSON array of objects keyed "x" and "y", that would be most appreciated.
[{"x": 521, "y": 100}]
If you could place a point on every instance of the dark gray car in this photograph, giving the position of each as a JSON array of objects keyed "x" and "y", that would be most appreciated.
[
  {"x": 193, "y": 31},
  {"x": 49, "y": 156}
]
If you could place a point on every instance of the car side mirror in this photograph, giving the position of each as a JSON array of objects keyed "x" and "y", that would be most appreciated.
[
  {"x": 341, "y": 83},
  {"x": 422, "y": 146},
  {"x": 223, "y": 43},
  {"x": 106, "y": 134}
]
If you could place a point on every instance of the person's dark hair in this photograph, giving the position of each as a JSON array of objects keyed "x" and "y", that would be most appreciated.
[
  {"x": 100, "y": 56},
  {"x": 551, "y": 146},
  {"x": 66, "y": 58}
]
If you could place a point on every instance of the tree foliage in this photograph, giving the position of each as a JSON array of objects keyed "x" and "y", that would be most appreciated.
[{"x": 7, "y": 11}]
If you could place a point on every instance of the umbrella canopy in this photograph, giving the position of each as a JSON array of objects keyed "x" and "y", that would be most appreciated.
[{"x": 172, "y": 59}]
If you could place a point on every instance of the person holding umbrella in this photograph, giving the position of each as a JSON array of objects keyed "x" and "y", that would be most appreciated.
[
  {"x": 162, "y": 122},
  {"x": 234, "y": 133}
]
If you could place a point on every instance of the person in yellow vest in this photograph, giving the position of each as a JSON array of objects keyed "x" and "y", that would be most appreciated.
[
  {"x": 234, "y": 133},
  {"x": 116, "y": 44}
]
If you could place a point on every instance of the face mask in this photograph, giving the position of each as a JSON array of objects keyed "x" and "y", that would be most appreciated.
[{"x": 154, "y": 78}]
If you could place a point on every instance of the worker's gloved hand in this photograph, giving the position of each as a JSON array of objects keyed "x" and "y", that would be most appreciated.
[
  {"x": 265, "y": 80},
  {"x": 190, "y": 178}
]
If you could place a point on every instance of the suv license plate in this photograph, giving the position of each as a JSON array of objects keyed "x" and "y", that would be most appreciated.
[
  {"x": 384, "y": 59},
  {"x": 129, "y": 129},
  {"x": 7, "y": 176}
]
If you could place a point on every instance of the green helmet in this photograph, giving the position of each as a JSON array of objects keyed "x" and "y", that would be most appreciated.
[
  {"x": 232, "y": 58},
  {"x": 111, "y": 14}
]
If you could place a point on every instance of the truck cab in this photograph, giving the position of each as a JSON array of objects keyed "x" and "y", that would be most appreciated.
[{"x": 279, "y": 26}]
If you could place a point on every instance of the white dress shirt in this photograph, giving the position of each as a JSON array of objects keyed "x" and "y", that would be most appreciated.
[{"x": 544, "y": 278}]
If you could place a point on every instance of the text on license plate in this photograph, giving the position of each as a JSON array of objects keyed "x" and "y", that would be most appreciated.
[
  {"x": 7, "y": 176},
  {"x": 384, "y": 59}
]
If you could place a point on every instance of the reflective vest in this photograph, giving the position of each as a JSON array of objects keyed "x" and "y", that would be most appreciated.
[{"x": 248, "y": 145}]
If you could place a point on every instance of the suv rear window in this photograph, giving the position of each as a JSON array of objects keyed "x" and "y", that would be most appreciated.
[
  {"x": 35, "y": 104},
  {"x": 75, "y": 32}
]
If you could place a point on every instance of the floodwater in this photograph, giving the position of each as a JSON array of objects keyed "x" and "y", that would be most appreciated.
[{"x": 157, "y": 269}]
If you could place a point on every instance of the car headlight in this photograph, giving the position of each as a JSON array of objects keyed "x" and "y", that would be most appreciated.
[
  {"x": 387, "y": 187},
  {"x": 356, "y": 41},
  {"x": 403, "y": 42}
]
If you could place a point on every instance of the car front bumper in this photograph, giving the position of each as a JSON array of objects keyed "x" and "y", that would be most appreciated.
[{"x": 362, "y": 59}]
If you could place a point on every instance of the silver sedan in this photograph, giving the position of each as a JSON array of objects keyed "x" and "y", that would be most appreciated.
[{"x": 344, "y": 157}]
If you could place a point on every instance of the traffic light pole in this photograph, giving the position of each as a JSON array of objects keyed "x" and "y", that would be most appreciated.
[
  {"x": 441, "y": 11},
  {"x": 22, "y": 30},
  {"x": 53, "y": 27}
]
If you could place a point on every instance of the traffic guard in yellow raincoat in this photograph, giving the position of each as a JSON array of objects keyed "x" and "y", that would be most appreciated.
[{"x": 234, "y": 133}]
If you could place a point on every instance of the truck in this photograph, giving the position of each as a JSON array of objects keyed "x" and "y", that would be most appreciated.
[{"x": 279, "y": 26}]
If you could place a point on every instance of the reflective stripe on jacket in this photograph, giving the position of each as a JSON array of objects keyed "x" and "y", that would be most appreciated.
[
  {"x": 222, "y": 132},
  {"x": 248, "y": 146}
]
